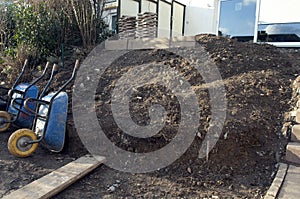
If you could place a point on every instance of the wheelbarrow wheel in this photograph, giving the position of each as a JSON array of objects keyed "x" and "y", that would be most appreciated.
[
  {"x": 18, "y": 143},
  {"x": 4, "y": 120}
]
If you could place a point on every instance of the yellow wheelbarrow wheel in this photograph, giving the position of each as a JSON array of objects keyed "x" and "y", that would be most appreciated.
[
  {"x": 4, "y": 120},
  {"x": 18, "y": 143}
]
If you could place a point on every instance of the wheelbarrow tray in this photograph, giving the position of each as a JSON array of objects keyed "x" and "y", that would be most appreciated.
[
  {"x": 54, "y": 127},
  {"x": 24, "y": 120}
]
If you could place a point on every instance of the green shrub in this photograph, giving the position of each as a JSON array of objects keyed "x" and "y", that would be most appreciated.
[{"x": 34, "y": 28}]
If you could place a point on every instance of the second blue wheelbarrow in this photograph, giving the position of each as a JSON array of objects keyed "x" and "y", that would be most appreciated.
[{"x": 49, "y": 124}]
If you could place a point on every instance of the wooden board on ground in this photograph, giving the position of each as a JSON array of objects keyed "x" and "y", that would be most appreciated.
[{"x": 58, "y": 180}]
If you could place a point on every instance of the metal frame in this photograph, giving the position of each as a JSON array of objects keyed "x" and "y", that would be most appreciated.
[
  {"x": 256, "y": 21},
  {"x": 278, "y": 44},
  {"x": 257, "y": 14},
  {"x": 118, "y": 14},
  {"x": 157, "y": 11},
  {"x": 171, "y": 19},
  {"x": 183, "y": 21}
]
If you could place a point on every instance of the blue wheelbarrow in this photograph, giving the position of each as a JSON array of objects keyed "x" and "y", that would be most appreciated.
[
  {"x": 49, "y": 126},
  {"x": 10, "y": 111}
]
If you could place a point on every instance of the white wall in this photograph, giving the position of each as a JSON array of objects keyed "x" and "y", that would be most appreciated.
[
  {"x": 164, "y": 19},
  {"x": 178, "y": 12},
  {"x": 129, "y": 8},
  {"x": 148, "y": 6},
  {"x": 202, "y": 16},
  {"x": 200, "y": 20}
]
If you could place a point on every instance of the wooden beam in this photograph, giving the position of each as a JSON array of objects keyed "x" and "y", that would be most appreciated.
[{"x": 58, "y": 180}]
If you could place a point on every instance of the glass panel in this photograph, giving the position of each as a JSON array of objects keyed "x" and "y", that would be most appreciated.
[
  {"x": 114, "y": 23},
  {"x": 237, "y": 19},
  {"x": 288, "y": 32},
  {"x": 110, "y": 1}
]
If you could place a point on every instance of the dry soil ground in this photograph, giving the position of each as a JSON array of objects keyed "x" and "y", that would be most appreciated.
[{"x": 257, "y": 80}]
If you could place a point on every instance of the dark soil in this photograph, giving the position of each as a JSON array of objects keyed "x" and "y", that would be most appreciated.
[{"x": 257, "y": 80}]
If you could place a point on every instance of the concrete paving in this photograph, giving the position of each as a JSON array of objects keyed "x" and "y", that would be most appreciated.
[
  {"x": 293, "y": 152},
  {"x": 277, "y": 182},
  {"x": 290, "y": 188},
  {"x": 151, "y": 43},
  {"x": 295, "y": 136},
  {"x": 286, "y": 184}
]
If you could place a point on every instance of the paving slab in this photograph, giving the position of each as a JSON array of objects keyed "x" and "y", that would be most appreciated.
[
  {"x": 184, "y": 39},
  {"x": 293, "y": 153},
  {"x": 295, "y": 136},
  {"x": 148, "y": 43},
  {"x": 291, "y": 185},
  {"x": 277, "y": 182},
  {"x": 116, "y": 44},
  {"x": 297, "y": 113},
  {"x": 179, "y": 44}
]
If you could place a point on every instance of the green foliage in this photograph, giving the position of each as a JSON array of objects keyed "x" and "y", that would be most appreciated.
[
  {"x": 34, "y": 28},
  {"x": 5, "y": 25},
  {"x": 37, "y": 29}
]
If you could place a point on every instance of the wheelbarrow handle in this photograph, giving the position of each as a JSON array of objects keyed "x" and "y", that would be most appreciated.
[
  {"x": 39, "y": 78},
  {"x": 76, "y": 67},
  {"x": 54, "y": 69},
  {"x": 68, "y": 81},
  {"x": 76, "y": 64},
  {"x": 14, "y": 103},
  {"x": 39, "y": 102},
  {"x": 43, "y": 74},
  {"x": 25, "y": 63},
  {"x": 21, "y": 74},
  {"x": 47, "y": 66},
  {"x": 13, "y": 90},
  {"x": 53, "y": 73}
]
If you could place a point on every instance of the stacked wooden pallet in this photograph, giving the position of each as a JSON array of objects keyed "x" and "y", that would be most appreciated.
[
  {"x": 127, "y": 27},
  {"x": 146, "y": 25}
]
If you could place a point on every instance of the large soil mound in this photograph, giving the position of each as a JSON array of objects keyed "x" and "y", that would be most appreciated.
[{"x": 257, "y": 80}]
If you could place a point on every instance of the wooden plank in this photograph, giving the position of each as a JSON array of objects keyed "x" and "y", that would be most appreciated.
[{"x": 58, "y": 180}]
